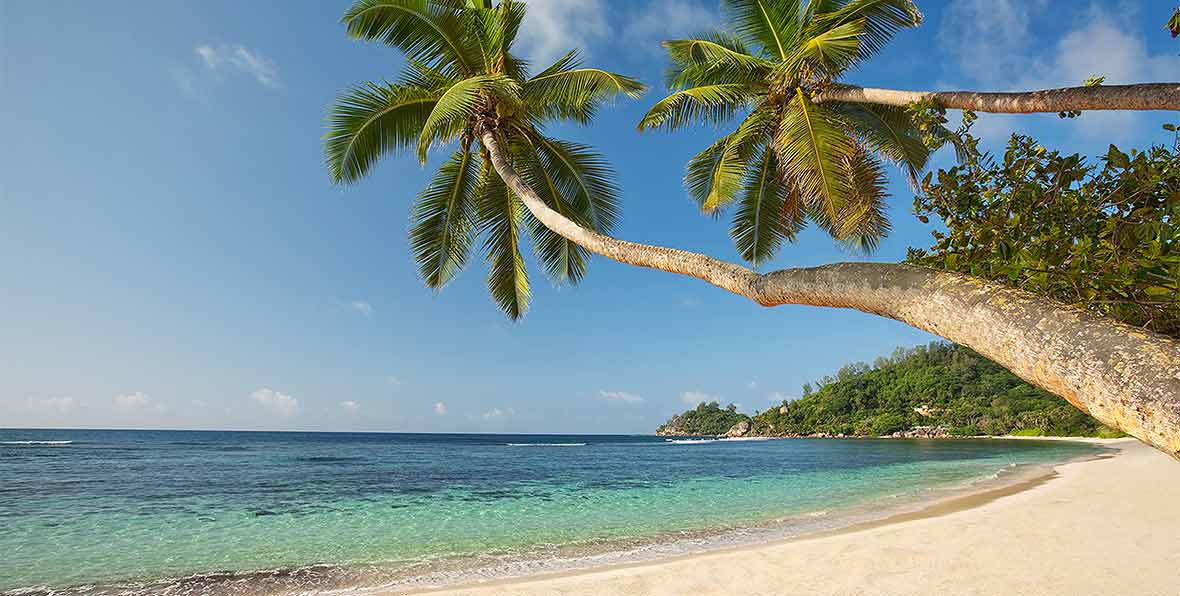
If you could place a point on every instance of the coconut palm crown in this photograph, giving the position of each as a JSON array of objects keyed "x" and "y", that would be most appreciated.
[
  {"x": 791, "y": 159},
  {"x": 460, "y": 81}
]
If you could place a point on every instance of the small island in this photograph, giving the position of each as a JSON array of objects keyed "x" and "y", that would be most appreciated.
[{"x": 938, "y": 390}]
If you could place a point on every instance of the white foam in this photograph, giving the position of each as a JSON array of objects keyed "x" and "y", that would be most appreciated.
[
  {"x": 545, "y": 444},
  {"x": 689, "y": 441},
  {"x": 35, "y": 442}
]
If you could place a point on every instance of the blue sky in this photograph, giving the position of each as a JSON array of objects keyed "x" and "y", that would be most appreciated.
[{"x": 172, "y": 253}]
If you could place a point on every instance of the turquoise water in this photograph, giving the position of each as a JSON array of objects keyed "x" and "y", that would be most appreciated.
[{"x": 131, "y": 511}]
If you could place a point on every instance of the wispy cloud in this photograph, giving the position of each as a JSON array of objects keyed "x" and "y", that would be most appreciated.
[
  {"x": 350, "y": 406},
  {"x": 134, "y": 403},
  {"x": 659, "y": 20},
  {"x": 58, "y": 406},
  {"x": 238, "y": 58},
  {"x": 275, "y": 402},
  {"x": 360, "y": 306},
  {"x": 553, "y": 27},
  {"x": 498, "y": 413},
  {"x": 693, "y": 398},
  {"x": 440, "y": 408},
  {"x": 1096, "y": 40},
  {"x": 620, "y": 396}
]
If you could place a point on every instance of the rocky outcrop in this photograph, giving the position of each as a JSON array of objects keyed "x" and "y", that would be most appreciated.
[
  {"x": 739, "y": 430},
  {"x": 672, "y": 428},
  {"x": 921, "y": 432}
]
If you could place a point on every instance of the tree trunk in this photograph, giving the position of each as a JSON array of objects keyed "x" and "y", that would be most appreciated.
[
  {"x": 1143, "y": 96},
  {"x": 1125, "y": 377}
]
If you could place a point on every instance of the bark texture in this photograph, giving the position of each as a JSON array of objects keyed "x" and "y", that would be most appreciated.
[
  {"x": 1143, "y": 96},
  {"x": 1125, "y": 377}
]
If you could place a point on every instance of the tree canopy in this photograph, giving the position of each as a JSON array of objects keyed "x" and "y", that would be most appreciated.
[
  {"x": 1101, "y": 235},
  {"x": 791, "y": 159},
  {"x": 461, "y": 79}
]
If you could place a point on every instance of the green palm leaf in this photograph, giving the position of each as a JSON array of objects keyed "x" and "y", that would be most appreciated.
[
  {"x": 888, "y": 131},
  {"x": 881, "y": 19},
  {"x": 716, "y": 58},
  {"x": 371, "y": 120},
  {"x": 771, "y": 24},
  {"x": 829, "y": 52},
  {"x": 813, "y": 146},
  {"x": 458, "y": 104},
  {"x": 769, "y": 211},
  {"x": 444, "y": 218},
  {"x": 568, "y": 90},
  {"x": 714, "y": 104},
  {"x": 500, "y": 214},
  {"x": 718, "y": 186},
  {"x": 863, "y": 222},
  {"x": 427, "y": 31}
]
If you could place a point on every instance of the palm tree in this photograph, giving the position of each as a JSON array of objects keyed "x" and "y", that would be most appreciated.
[
  {"x": 461, "y": 80},
  {"x": 791, "y": 159},
  {"x": 463, "y": 84}
]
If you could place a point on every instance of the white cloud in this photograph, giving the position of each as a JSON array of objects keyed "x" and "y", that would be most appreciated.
[
  {"x": 693, "y": 398},
  {"x": 279, "y": 403},
  {"x": 392, "y": 380},
  {"x": 620, "y": 396},
  {"x": 362, "y": 307},
  {"x": 133, "y": 403},
  {"x": 498, "y": 413},
  {"x": 199, "y": 404},
  {"x": 350, "y": 406},
  {"x": 1102, "y": 41},
  {"x": 668, "y": 19},
  {"x": 440, "y": 408},
  {"x": 241, "y": 59},
  {"x": 52, "y": 405},
  {"x": 553, "y": 27}
]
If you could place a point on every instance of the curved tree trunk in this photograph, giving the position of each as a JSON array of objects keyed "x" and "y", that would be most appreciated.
[
  {"x": 1143, "y": 96},
  {"x": 1125, "y": 377}
]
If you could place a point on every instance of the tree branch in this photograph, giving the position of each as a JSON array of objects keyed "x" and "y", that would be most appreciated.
[
  {"x": 1125, "y": 377},
  {"x": 1142, "y": 96}
]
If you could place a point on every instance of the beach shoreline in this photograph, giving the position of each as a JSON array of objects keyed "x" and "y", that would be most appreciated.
[{"x": 944, "y": 546}]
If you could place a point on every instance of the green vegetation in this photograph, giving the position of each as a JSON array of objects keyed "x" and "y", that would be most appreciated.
[
  {"x": 1100, "y": 236},
  {"x": 704, "y": 420},
  {"x": 461, "y": 80},
  {"x": 791, "y": 159},
  {"x": 948, "y": 389},
  {"x": 938, "y": 385}
]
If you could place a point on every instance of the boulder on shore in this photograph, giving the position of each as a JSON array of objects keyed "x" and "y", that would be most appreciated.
[{"x": 739, "y": 430}]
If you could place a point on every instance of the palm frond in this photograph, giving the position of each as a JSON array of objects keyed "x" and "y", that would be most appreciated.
[
  {"x": 500, "y": 213},
  {"x": 714, "y": 58},
  {"x": 771, "y": 24},
  {"x": 863, "y": 222},
  {"x": 718, "y": 186},
  {"x": 714, "y": 104},
  {"x": 813, "y": 147},
  {"x": 562, "y": 260},
  {"x": 369, "y": 121},
  {"x": 460, "y": 103},
  {"x": 827, "y": 52},
  {"x": 444, "y": 218},
  {"x": 769, "y": 212},
  {"x": 888, "y": 131},
  {"x": 427, "y": 31},
  {"x": 585, "y": 178},
  {"x": 882, "y": 19},
  {"x": 569, "y": 91}
]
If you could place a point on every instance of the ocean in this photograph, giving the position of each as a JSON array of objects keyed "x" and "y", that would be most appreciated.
[{"x": 194, "y": 512}]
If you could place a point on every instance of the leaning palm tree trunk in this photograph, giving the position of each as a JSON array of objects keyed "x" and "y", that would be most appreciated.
[
  {"x": 1125, "y": 377},
  {"x": 1143, "y": 96}
]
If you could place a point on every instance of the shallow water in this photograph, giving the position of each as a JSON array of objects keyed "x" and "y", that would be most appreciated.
[{"x": 177, "y": 512}]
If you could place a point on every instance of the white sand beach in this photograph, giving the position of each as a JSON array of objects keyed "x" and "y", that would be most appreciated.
[{"x": 1108, "y": 526}]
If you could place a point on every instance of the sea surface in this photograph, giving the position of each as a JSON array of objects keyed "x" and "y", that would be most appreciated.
[{"x": 191, "y": 512}]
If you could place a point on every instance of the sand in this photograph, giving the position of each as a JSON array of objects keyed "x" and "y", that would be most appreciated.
[{"x": 1109, "y": 526}]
